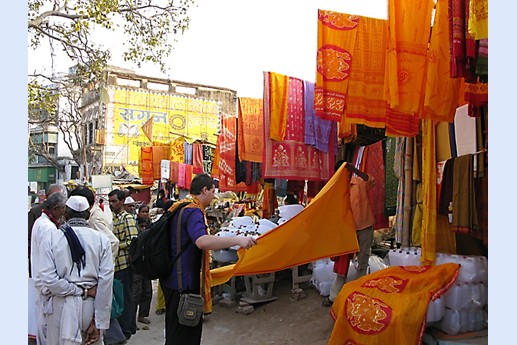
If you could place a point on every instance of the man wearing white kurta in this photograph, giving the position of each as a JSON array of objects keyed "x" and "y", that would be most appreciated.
[
  {"x": 48, "y": 222},
  {"x": 78, "y": 275}
]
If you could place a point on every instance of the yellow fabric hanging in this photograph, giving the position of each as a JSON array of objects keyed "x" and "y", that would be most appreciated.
[
  {"x": 430, "y": 232},
  {"x": 478, "y": 18},
  {"x": 279, "y": 86},
  {"x": 441, "y": 92},
  {"x": 319, "y": 231},
  {"x": 409, "y": 28}
]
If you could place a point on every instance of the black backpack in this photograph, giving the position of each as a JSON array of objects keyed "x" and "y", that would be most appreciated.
[{"x": 149, "y": 252}]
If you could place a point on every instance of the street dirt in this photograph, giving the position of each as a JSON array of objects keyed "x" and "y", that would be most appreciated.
[{"x": 284, "y": 321}]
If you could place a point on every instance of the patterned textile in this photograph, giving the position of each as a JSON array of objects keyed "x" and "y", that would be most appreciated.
[
  {"x": 124, "y": 228},
  {"x": 401, "y": 124},
  {"x": 317, "y": 130},
  {"x": 208, "y": 154},
  {"x": 227, "y": 146},
  {"x": 464, "y": 212},
  {"x": 478, "y": 19},
  {"x": 295, "y": 111},
  {"x": 390, "y": 180},
  {"x": 250, "y": 127},
  {"x": 336, "y": 40},
  {"x": 477, "y": 96},
  {"x": 291, "y": 159},
  {"x": 407, "y": 53},
  {"x": 275, "y": 250},
  {"x": 277, "y": 104},
  {"x": 146, "y": 165},
  {"x": 441, "y": 92},
  {"x": 462, "y": 46},
  {"x": 389, "y": 304},
  {"x": 177, "y": 150},
  {"x": 197, "y": 158},
  {"x": 374, "y": 166},
  {"x": 365, "y": 101}
]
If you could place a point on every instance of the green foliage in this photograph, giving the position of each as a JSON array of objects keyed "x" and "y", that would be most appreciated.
[{"x": 148, "y": 27}]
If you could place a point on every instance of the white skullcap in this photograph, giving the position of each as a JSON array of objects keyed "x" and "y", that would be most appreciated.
[
  {"x": 78, "y": 203},
  {"x": 129, "y": 200}
]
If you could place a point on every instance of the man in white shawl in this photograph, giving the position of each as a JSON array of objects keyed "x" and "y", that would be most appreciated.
[{"x": 76, "y": 272}]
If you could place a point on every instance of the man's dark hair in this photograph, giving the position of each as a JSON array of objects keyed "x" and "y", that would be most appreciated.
[
  {"x": 86, "y": 192},
  {"x": 290, "y": 199},
  {"x": 69, "y": 214},
  {"x": 199, "y": 182},
  {"x": 118, "y": 193}
]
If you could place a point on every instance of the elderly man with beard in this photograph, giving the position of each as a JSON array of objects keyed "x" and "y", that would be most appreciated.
[{"x": 76, "y": 272}]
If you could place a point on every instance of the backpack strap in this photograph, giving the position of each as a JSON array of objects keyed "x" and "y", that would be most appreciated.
[{"x": 178, "y": 255}]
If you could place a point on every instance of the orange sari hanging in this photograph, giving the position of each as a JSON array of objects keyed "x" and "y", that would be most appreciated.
[
  {"x": 250, "y": 127},
  {"x": 441, "y": 92},
  {"x": 409, "y": 29},
  {"x": 365, "y": 100},
  {"x": 390, "y": 305},
  {"x": 146, "y": 163},
  {"x": 336, "y": 39}
]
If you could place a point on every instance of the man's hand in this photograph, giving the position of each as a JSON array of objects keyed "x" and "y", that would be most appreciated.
[
  {"x": 92, "y": 292},
  {"x": 245, "y": 241},
  {"x": 92, "y": 334}
]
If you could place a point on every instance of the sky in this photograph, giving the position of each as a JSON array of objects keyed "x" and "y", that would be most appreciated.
[{"x": 230, "y": 43}]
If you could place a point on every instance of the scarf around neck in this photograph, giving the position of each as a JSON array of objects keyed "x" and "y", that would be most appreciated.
[
  {"x": 53, "y": 219},
  {"x": 194, "y": 203},
  {"x": 76, "y": 249}
]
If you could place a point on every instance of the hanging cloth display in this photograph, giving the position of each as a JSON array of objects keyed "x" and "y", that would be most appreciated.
[
  {"x": 336, "y": 39},
  {"x": 365, "y": 102},
  {"x": 250, "y": 127},
  {"x": 441, "y": 91}
]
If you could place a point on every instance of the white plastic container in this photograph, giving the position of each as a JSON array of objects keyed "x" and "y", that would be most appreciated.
[
  {"x": 289, "y": 211},
  {"x": 435, "y": 310}
]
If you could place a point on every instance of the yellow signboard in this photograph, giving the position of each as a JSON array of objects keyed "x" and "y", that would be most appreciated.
[{"x": 196, "y": 119}]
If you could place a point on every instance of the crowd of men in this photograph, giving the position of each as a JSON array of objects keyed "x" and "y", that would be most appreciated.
[{"x": 72, "y": 271}]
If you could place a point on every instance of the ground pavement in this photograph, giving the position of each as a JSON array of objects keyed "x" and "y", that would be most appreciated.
[{"x": 284, "y": 321}]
